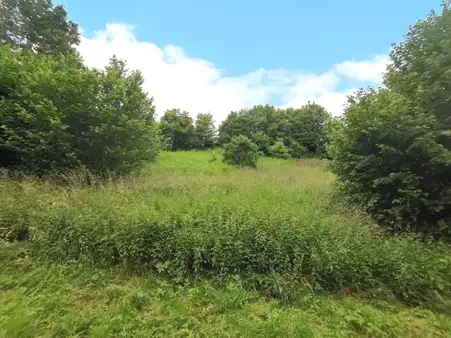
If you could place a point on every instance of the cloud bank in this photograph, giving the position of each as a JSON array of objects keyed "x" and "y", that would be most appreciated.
[{"x": 176, "y": 80}]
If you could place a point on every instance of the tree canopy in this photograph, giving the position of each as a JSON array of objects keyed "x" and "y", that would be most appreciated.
[{"x": 37, "y": 26}]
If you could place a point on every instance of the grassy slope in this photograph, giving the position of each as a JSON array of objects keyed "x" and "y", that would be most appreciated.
[
  {"x": 73, "y": 300},
  {"x": 38, "y": 299}
]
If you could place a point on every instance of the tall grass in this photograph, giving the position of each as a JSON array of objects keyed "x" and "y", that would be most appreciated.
[
  {"x": 75, "y": 300},
  {"x": 274, "y": 227}
]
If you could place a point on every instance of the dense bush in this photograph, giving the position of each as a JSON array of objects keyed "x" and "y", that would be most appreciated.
[
  {"x": 241, "y": 152},
  {"x": 385, "y": 156},
  {"x": 298, "y": 151},
  {"x": 279, "y": 150},
  {"x": 392, "y": 151},
  {"x": 56, "y": 115}
]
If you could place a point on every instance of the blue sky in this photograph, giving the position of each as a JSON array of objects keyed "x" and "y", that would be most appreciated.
[{"x": 240, "y": 53}]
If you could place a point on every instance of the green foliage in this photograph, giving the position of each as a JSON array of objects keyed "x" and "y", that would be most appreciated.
[
  {"x": 177, "y": 129},
  {"x": 241, "y": 152},
  {"x": 260, "y": 118},
  {"x": 384, "y": 157},
  {"x": 306, "y": 127},
  {"x": 298, "y": 151},
  {"x": 279, "y": 150},
  {"x": 302, "y": 129},
  {"x": 56, "y": 115},
  {"x": 263, "y": 142},
  {"x": 392, "y": 151},
  {"x": 420, "y": 68},
  {"x": 205, "y": 131},
  {"x": 37, "y": 26}
]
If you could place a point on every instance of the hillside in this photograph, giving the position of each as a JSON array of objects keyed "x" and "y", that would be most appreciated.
[{"x": 191, "y": 247}]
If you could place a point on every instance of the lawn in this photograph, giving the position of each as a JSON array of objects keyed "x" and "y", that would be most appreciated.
[{"x": 192, "y": 247}]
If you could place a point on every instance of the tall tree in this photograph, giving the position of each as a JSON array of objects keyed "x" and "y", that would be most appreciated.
[
  {"x": 37, "y": 26},
  {"x": 205, "y": 131},
  {"x": 249, "y": 122},
  {"x": 307, "y": 127},
  {"x": 421, "y": 69},
  {"x": 177, "y": 129},
  {"x": 392, "y": 151}
]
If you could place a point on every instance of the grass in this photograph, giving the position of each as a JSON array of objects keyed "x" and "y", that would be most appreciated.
[
  {"x": 38, "y": 299},
  {"x": 205, "y": 162},
  {"x": 270, "y": 243}
]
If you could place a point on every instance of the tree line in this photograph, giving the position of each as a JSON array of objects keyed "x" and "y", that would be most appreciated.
[{"x": 275, "y": 132}]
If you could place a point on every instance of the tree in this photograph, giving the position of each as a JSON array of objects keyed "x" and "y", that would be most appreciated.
[
  {"x": 248, "y": 122},
  {"x": 37, "y": 26},
  {"x": 56, "y": 115},
  {"x": 332, "y": 126},
  {"x": 298, "y": 151},
  {"x": 205, "y": 131},
  {"x": 120, "y": 135},
  {"x": 300, "y": 129},
  {"x": 421, "y": 69},
  {"x": 236, "y": 123},
  {"x": 177, "y": 129},
  {"x": 279, "y": 150},
  {"x": 263, "y": 142},
  {"x": 306, "y": 127},
  {"x": 241, "y": 152},
  {"x": 387, "y": 159}
]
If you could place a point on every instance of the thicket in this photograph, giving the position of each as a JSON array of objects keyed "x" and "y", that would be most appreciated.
[
  {"x": 240, "y": 152},
  {"x": 56, "y": 114},
  {"x": 392, "y": 149}
]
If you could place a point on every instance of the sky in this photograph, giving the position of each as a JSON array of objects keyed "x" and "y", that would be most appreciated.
[{"x": 220, "y": 56}]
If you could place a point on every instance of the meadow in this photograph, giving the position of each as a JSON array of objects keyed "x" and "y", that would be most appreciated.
[{"x": 193, "y": 247}]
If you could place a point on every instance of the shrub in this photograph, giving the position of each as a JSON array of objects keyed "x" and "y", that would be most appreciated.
[
  {"x": 392, "y": 151},
  {"x": 298, "y": 151},
  {"x": 56, "y": 115},
  {"x": 241, "y": 152},
  {"x": 279, "y": 150},
  {"x": 387, "y": 159}
]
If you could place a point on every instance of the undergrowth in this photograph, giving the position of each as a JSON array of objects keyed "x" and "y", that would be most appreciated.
[
  {"x": 274, "y": 228},
  {"x": 38, "y": 299}
]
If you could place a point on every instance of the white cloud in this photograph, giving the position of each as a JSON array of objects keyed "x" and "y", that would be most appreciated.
[
  {"x": 370, "y": 71},
  {"x": 176, "y": 80}
]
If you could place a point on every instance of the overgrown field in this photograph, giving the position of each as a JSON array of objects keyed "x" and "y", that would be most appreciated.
[
  {"x": 274, "y": 233},
  {"x": 75, "y": 300}
]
